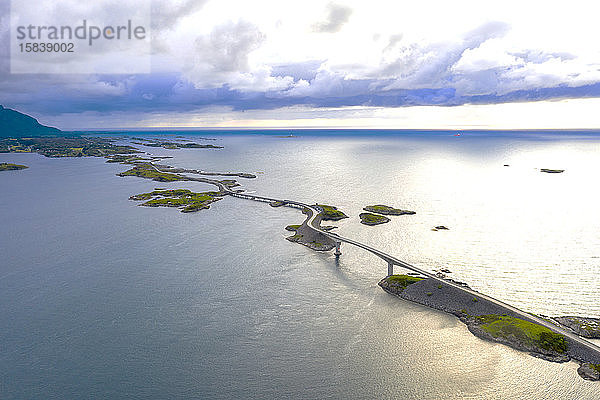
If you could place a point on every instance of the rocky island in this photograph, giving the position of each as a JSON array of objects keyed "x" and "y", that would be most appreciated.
[
  {"x": 184, "y": 199},
  {"x": 590, "y": 372},
  {"x": 484, "y": 317},
  {"x": 77, "y": 146},
  {"x": 372, "y": 219},
  {"x": 308, "y": 237},
  {"x": 150, "y": 171},
  {"x": 387, "y": 210},
  {"x": 331, "y": 213},
  {"x": 11, "y": 167},
  {"x": 163, "y": 173},
  {"x": 174, "y": 145},
  {"x": 493, "y": 322},
  {"x": 311, "y": 238},
  {"x": 583, "y": 326}
]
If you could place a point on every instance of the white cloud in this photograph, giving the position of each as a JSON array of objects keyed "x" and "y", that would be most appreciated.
[
  {"x": 337, "y": 17},
  {"x": 467, "y": 46},
  {"x": 223, "y": 57},
  {"x": 427, "y": 44}
]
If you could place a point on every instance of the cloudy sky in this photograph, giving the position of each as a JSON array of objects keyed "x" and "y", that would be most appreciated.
[{"x": 368, "y": 64}]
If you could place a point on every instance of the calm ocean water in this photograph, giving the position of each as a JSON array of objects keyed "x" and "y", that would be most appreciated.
[{"x": 102, "y": 299}]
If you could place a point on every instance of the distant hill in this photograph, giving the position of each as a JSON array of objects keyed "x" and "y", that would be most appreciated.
[{"x": 16, "y": 124}]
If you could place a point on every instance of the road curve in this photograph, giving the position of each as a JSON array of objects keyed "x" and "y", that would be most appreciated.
[
  {"x": 389, "y": 258},
  {"x": 312, "y": 223}
]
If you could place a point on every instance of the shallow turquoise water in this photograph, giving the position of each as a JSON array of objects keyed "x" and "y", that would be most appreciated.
[{"x": 103, "y": 299}]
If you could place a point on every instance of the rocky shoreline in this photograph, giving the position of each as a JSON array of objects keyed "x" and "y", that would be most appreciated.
[
  {"x": 372, "y": 219},
  {"x": 387, "y": 210},
  {"x": 589, "y": 372},
  {"x": 582, "y": 326},
  {"x": 474, "y": 311},
  {"x": 11, "y": 167},
  {"x": 310, "y": 238}
]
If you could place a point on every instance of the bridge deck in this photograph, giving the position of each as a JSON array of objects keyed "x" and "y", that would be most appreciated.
[{"x": 313, "y": 211}]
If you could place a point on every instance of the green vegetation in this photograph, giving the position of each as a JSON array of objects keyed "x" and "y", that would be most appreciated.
[
  {"x": 229, "y": 183},
  {"x": 387, "y": 210},
  {"x": 401, "y": 281},
  {"x": 504, "y": 326},
  {"x": 174, "y": 145},
  {"x": 11, "y": 167},
  {"x": 595, "y": 367},
  {"x": 75, "y": 146},
  {"x": 124, "y": 158},
  {"x": 292, "y": 228},
  {"x": 184, "y": 199},
  {"x": 145, "y": 170},
  {"x": 372, "y": 219},
  {"x": 166, "y": 202},
  {"x": 331, "y": 213},
  {"x": 429, "y": 294},
  {"x": 197, "y": 146}
]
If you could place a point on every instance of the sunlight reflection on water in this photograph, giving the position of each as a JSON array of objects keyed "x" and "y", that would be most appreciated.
[{"x": 101, "y": 298}]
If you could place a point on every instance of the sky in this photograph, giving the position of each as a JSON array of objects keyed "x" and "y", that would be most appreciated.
[{"x": 377, "y": 64}]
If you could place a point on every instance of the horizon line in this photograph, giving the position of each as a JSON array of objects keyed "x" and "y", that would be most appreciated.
[{"x": 312, "y": 128}]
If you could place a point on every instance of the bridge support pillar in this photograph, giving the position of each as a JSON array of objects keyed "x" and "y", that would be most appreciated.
[
  {"x": 390, "y": 268},
  {"x": 337, "y": 249}
]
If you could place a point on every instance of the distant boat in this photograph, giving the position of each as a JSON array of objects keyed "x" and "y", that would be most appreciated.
[{"x": 456, "y": 134}]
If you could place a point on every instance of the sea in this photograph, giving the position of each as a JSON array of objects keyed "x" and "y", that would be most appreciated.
[{"x": 103, "y": 299}]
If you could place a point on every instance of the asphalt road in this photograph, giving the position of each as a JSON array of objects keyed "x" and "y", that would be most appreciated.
[{"x": 314, "y": 224}]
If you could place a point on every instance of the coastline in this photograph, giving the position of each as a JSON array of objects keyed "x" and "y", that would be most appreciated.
[
  {"x": 307, "y": 230},
  {"x": 465, "y": 307}
]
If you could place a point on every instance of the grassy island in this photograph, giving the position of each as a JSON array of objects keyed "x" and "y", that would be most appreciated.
[
  {"x": 397, "y": 283},
  {"x": 184, "y": 199},
  {"x": 387, "y": 210},
  {"x": 552, "y": 171},
  {"x": 372, "y": 219},
  {"x": 64, "y": 146},
  {"x": 331, "y": 213},
  {"x": 486, "y": 319},
  {"x": 529, "y": 333},
  {"x": 124, "y": 158},
  {"x": 146, "y": 170},
  {"x": 11, "y": 167},
  {"x": 230, "y": 183},
  {"x": 174, "y": 145}
]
